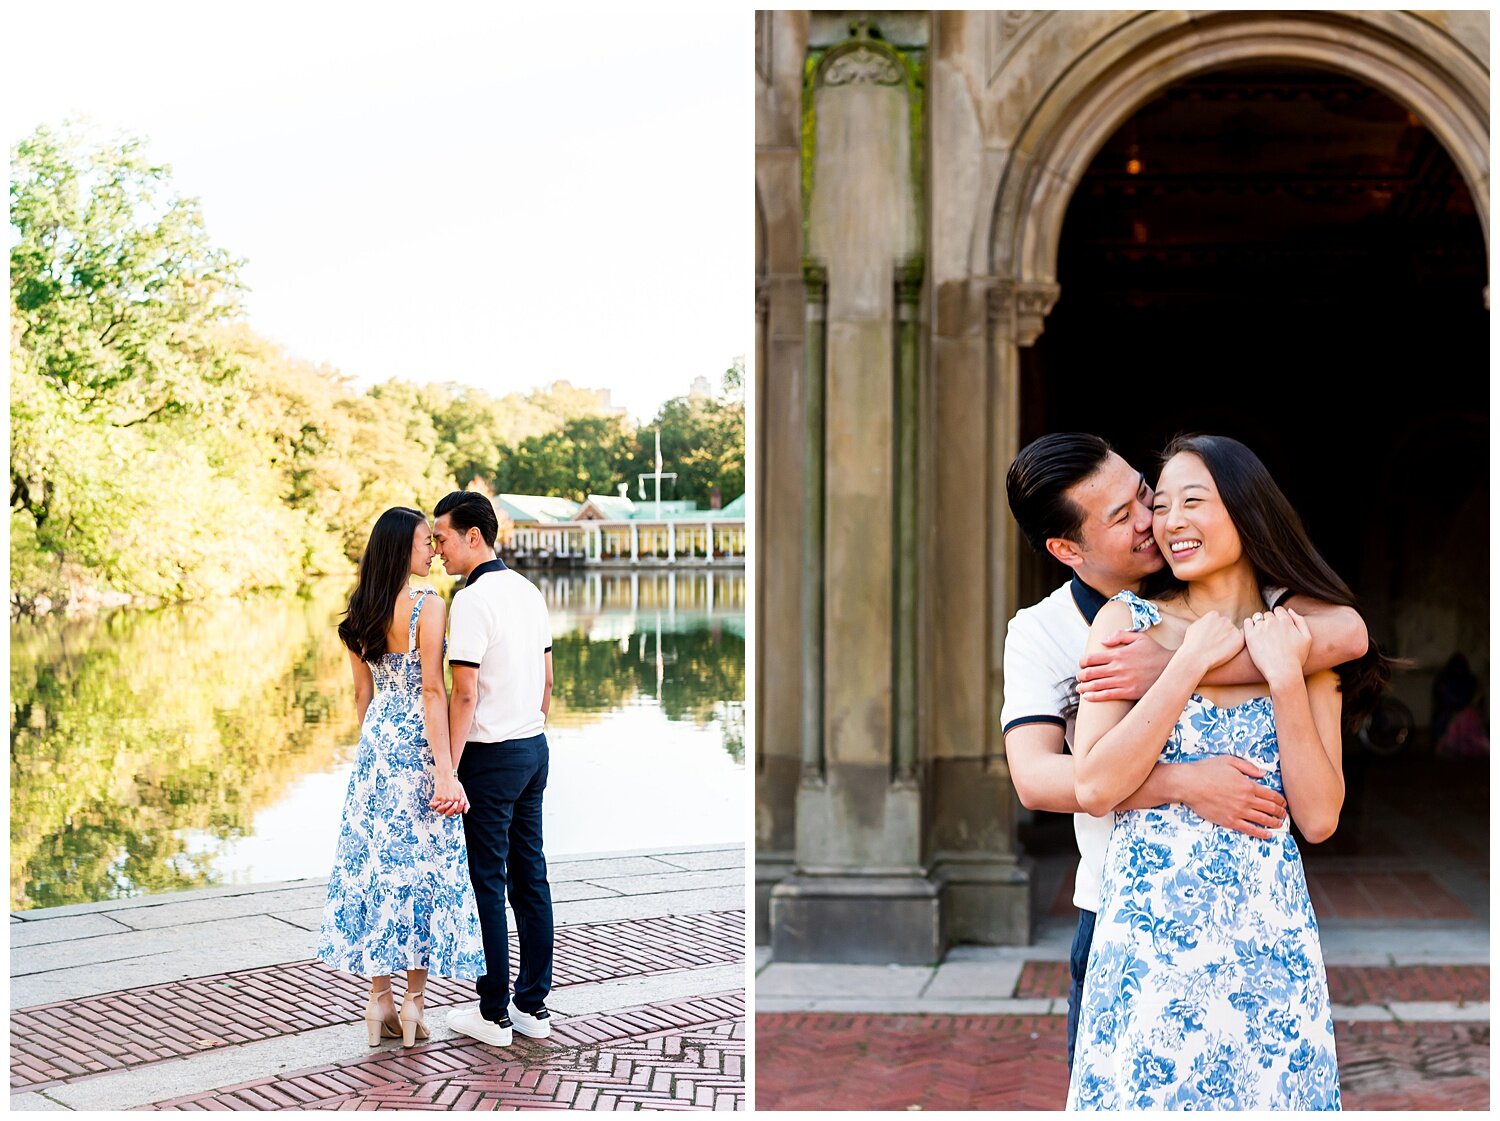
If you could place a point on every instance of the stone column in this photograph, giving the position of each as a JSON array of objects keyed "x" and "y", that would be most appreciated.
[
  {"x": 781, "y": 48},
  {"x": 635, "y": 543},
  {"x": 816, "y": 279},
  {"x": 671, "y": 542},
  {"x": 860, "y": 890},
  {"x": 908, "y": 297}
]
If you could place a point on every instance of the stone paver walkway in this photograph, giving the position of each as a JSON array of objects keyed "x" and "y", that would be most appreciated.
[{"x": 210, "y": 1000}]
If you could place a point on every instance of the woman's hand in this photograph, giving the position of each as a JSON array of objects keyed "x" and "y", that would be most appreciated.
[
  {"x": 1279, "y": 642},
  {"x": 448, "y": 796},
  {"x": 1212, "y": 640}
]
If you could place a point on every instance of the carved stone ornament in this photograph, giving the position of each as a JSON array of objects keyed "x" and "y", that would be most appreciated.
[
  {"x": 1005, "y": 33},
  {"x": 1020, "y": 309},
  {"x": 863, "y": 66}
]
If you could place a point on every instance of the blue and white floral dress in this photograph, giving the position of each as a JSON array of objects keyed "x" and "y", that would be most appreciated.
[
  {"x": 1205, "y": 986},
  {"x": 399, "y": 896}
]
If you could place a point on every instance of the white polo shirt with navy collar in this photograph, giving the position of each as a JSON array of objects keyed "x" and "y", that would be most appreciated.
[
  {"x": 1043, "y": 646},
  {"x": 499, "y": 626}
]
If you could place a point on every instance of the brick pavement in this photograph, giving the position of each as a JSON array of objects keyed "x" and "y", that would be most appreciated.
[
  {"x": 686, "y": 1054},
  {"x": 1347, "y": 893},
  {"x": 68, "y": 1040},
  {"x": 1347, "y": 984},
  {"x": 853, "y": 1061}
]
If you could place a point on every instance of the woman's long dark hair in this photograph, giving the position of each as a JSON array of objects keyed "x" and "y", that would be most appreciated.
[
  {"x": 382, "y": 574},
  {"x": 1278, "y": 547}
]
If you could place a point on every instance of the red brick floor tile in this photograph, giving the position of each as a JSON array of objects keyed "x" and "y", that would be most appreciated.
[
  {"x": 1041, "y": 980},
  {"x": 1346, "y": 984},
  {"x": 823, "y": 1061}
]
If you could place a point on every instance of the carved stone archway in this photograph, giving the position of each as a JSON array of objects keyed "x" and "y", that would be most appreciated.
[{"x": 1400, "y": 54}]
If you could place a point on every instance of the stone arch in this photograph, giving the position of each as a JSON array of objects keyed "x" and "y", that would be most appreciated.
[
  {"x": 1400, "y": 54},
  {"x": 1407, "y": 58}
]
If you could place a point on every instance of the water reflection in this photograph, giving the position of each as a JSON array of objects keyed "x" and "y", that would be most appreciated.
[{"x": 155, "y": 751}]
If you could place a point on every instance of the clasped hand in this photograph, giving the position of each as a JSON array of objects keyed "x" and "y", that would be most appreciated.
[
  {"x": 448, "y": 797},
  {"x": 1278, "y": 642},
  {"x": 1132, "y": 661}
]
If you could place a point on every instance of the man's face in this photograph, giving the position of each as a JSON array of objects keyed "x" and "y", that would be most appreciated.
[
  {"x": 451, "y": 546},
  {"x": 1115, "y": 543}
]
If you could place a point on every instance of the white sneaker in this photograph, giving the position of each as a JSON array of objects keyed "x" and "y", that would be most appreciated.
[
  {"x": 468, "y": 1021},
  {"x": 533, "y": 1025}
]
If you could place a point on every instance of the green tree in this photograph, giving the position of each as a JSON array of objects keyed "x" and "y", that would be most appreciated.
[
  {"x": 116, "y": 294},
  {"x": 114, "y": 282},
  {"x": 158, "y": 447},
  {"x": 702, "y": 439},
  {"x": 587, "y": 455}
]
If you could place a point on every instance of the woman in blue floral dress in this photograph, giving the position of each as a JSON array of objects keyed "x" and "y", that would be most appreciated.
[
  {"x": 1205, "y": 987},
  {"x": 399, "y": 896}
]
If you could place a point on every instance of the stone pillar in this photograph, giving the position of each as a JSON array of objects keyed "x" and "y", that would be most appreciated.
[
  {"x": 780, "y": 50},
  {"x": 671, "y": 542},
  {"x": 860, "y": 890},
  {"x": 908, "y": 298},
  {"x": 816, "y": 279},
  {"x": 635, "y": 543}
]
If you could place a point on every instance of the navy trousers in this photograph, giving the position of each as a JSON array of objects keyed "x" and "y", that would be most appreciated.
[
  {"x": 1078, "y": 964},
  {"x": 503, "y": 829}
]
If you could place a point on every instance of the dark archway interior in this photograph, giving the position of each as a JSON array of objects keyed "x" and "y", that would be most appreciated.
[{"x": 1287, "y": 256}]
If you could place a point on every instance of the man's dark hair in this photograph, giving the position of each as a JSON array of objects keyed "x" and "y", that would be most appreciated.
[
  {"x": 1038, "y": 481},
  {"x": 466, "y": 510}
]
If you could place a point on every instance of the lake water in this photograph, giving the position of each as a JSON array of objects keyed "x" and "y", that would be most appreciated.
[{"x": 156, "y": 751}]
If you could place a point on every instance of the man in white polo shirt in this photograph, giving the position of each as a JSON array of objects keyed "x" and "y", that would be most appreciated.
[
  {"x": 500, "y": 649},
  {"x": 1076, "y": 500}
]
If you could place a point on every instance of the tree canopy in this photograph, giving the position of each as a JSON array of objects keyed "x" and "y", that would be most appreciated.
[{"x": 160, "y": 449}]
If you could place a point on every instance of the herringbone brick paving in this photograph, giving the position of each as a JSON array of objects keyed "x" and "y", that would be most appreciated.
[
  {"x": 1043, "y": 980},
  {"x": 1349, "y": 894},
  {"x": 694, "y": 1059},
  {"x": 1347, "y": 984},
  {"x": 828, "y": 1061},
  {"x": 68, "y": 1040}
]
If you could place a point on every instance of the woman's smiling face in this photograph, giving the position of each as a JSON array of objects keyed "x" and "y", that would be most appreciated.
[{"x": 1191, "y": 525}]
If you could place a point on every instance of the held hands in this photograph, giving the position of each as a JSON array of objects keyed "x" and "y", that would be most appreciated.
[
  {"x": 1125, "y": 671},
  {"x": 1212, "y": 640},
  {"x": 1279, "y": 642},
  {"x": 448, "y": 797},
  {"x": 1222, "y": 790}
]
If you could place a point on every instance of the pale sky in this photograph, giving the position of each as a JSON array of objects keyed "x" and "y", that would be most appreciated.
[{"x": 455, "y": 193}]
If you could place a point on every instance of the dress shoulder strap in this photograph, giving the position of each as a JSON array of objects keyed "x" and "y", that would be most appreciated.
[
  {"x": 416, "y": 613},
  {"x": 1143, "y": 613}
]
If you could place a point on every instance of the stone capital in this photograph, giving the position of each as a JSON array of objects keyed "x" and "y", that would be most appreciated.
[{"x": 1020, "y": 307}]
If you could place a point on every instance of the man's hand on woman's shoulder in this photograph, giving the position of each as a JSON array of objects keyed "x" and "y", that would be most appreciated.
[{"x": 1125, "y": 670}]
